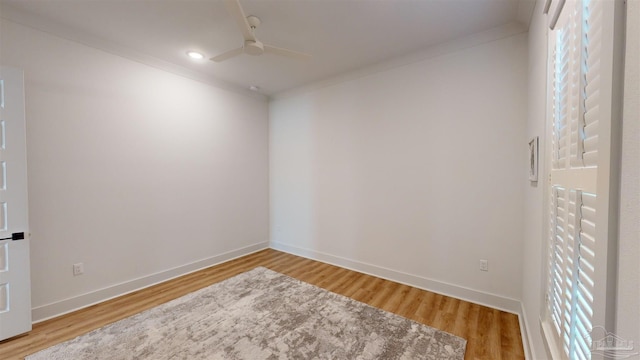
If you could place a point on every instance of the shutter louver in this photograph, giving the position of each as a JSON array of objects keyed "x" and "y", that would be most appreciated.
[
  {"x": 577, "y": 90},
  {"x": 555, "y": 163},
  {"x": 561, "y": 98},
  {"x": 592, "y": 45},
  {"x": 586, "y": 274},
  {"x": 570, "y": 271},
  {"x": 556, "y": 257}
]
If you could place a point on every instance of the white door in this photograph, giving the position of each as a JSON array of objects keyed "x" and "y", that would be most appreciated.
[{"x": 15, "y": 282}]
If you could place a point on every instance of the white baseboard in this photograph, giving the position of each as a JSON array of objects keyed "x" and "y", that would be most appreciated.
[
  {"x": 65, "y": 306},
  {"x": 458, "y": 292},
  {"x": 527, "y": 342}
]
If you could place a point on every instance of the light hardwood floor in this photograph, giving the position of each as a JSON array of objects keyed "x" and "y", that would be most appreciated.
[{"x": 491, "y": 334}]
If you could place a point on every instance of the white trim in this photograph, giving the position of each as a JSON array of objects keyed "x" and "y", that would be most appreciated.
[
  {"x": 550, "y": 342},
  {"x": 55, "y": 309},
  {"x": 555, "y": 15},
  {"x": 525, "y": 331},
  {"x": 459, "y": 292},
  {"x": 582, "y": 178}
]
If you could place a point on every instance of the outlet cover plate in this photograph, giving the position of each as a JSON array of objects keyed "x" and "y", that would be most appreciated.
[
  {"x": 484, "y": 265},
  {"x": 78, "y": 269}
]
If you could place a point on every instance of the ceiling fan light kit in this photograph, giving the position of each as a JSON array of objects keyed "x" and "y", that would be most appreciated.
[
  {"x": 195, "y": 55},
  {"x": 251, "y": 45}
]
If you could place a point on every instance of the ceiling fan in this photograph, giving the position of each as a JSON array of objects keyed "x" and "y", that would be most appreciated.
[{"x": 252, "y": 45}]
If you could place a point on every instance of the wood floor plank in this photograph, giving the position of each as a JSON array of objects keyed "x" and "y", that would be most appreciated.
[
  {"x": 474, "y": 338},
  {"x": 357, "y": 284},
  {"x": 428, "y": 309},
  {"x": 510, "y": 336},
  {"x": 491, "y": 334},
  {"x": 381, "y": 298},
  {"x": 462, "y": 320},
  {"x": 345, "y": 279},
  {"x": 396, "y": 298},
  {"x": 410, "y": 303}
]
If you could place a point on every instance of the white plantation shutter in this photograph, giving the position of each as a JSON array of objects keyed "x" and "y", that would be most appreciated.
[{"x": 580, "y": 120}]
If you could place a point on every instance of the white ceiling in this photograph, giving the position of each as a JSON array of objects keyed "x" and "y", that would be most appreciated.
[{"x": 342, "y": 35}]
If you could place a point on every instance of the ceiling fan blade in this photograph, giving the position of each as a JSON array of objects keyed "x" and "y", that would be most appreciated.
[
  {"x": 286, "y": 52},
  {"x": 235, "y": 9},
  {"x": 227, "y": 55}
]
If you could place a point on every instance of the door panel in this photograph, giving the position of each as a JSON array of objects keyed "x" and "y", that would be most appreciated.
[{"x": 15, "y": 282}]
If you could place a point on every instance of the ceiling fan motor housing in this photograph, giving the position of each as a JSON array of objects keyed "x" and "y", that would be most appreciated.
[
  {"x": 253, "y": 21},
  {"x": 253, "y": 47}
]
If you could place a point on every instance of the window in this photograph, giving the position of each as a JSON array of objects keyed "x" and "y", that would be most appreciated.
[{"x": 580, "y": 116}]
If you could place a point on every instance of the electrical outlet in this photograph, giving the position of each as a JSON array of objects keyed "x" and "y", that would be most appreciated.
[
  {"x": 484, "y": 265},
  {"x": 78, "y": 269}
]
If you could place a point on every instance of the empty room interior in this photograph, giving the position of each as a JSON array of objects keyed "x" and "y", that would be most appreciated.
[{"x": 465, "y": 172}]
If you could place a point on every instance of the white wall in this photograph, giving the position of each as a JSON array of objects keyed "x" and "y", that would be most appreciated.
[
  {"x": 415, "y": 173},
  {"x": 533, "y": 284},
  {"x": 138, "y": 173},
  {"x": 628, "y": 301}
]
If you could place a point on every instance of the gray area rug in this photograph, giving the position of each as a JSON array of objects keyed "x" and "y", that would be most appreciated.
[{"x": 261, "y": 314}]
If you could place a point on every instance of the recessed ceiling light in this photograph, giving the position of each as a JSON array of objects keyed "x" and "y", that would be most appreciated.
[
  {"x": 254, "y": 88},
  {"x": 195, "y": 55}
]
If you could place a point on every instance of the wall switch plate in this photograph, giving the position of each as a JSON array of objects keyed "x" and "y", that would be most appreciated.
[
  {"x": 484, "y": 265},
  {"x": 78, "y": 269}
]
